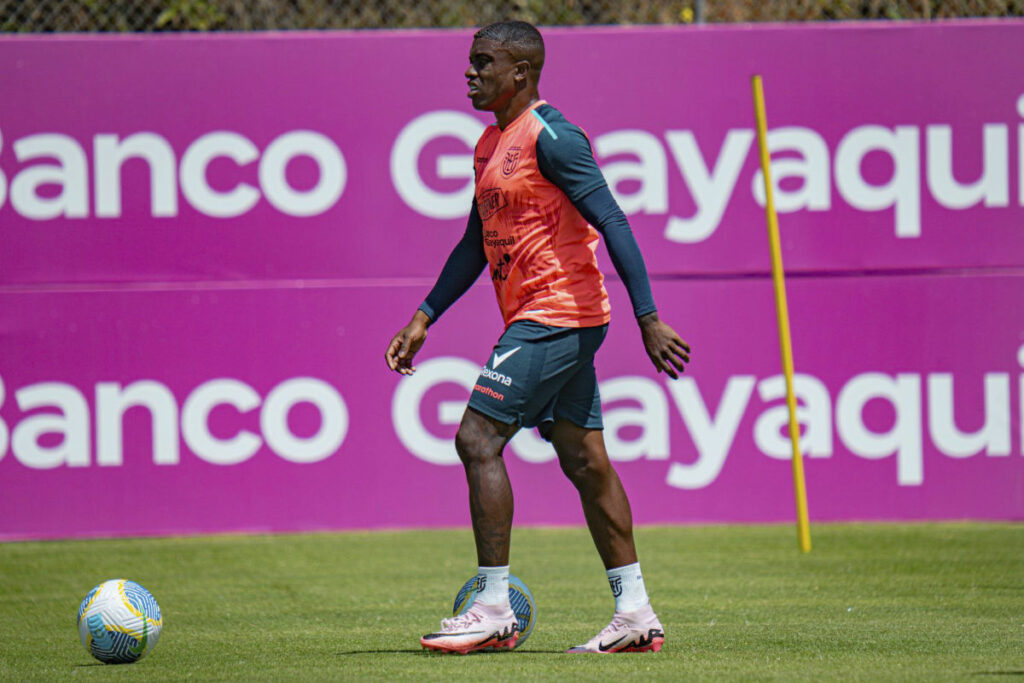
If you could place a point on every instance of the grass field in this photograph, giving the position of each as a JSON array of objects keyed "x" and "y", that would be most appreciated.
[{"x": 870, "y": 602}]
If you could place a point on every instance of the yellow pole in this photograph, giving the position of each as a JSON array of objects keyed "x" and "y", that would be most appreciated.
[{"x": 803, "y": 528}]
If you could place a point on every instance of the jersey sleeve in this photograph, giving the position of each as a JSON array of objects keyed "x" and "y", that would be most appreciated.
[
  {"x": 460, "y": 270},
  {"x": 566, "y": 160}
]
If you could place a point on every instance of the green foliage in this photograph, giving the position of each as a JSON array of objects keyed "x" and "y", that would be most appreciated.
[
  {"x": 190, "y": 15},
  {"x": 249, "y": 15},
  {"x": 870, "y": 602}
]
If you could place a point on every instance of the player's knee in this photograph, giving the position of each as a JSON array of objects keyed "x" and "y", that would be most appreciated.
[
  {"x": 474, "y": 447},
  {"x": 480, "y": 438},
  {"x": 583, "y": 471},
  {"x": 467, "y": 445},
  {"x": 574, "y": 471}
]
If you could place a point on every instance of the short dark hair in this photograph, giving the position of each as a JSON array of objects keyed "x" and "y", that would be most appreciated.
[{"x": 522, "y": 39}]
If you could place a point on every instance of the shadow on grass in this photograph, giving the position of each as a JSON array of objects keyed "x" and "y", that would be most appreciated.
[
  {"x": 998, "y": 673},
  {"x": 428, "y": 653}
]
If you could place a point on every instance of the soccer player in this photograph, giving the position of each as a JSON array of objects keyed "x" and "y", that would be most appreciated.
[{"x": 540, "y": 205}]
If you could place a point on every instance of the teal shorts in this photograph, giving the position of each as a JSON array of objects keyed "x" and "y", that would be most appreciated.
[{"x": 537, "y": 374}]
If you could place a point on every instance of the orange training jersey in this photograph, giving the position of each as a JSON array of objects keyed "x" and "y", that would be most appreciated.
[{"x": 540, "y": 249}]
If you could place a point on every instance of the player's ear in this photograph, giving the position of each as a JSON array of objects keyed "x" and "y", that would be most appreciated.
[{"x": 522, "y": 70}]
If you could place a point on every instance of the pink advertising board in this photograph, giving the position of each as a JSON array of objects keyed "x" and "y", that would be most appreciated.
[{"x": 207, "y": 242}]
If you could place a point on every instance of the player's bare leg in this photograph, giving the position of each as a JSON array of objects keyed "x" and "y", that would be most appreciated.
[
  {"x": 584, "y": 460},
  {"x": 635, "y": 627},
  {"x": 480, "y": 442},
  {"x": 490, "y": 622}
]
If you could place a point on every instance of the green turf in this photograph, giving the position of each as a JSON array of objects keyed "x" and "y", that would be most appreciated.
[{"x": 870, "y": 602}]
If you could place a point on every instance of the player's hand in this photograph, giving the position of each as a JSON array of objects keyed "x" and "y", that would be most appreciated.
[
  {"x": 406, "y": 343},
  {"x": 667, "y": 351}
]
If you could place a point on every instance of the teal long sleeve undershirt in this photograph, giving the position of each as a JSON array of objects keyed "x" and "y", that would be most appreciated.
[{"x": 564, "y": 157}]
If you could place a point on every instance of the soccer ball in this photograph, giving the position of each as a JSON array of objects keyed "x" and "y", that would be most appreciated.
[
  {"x": 518, "y": 594},
  {"x": 119, "y": 622}
]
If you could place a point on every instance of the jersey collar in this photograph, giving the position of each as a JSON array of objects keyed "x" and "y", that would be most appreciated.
[{"x": 515, "y": 122}]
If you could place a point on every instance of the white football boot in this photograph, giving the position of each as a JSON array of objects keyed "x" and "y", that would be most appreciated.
[
  {"x": 636, "y": 631},
  {"x": 481, "y": 627}
]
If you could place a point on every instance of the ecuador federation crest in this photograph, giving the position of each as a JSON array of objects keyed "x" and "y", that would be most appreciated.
[{"x": 511, "y": 161}]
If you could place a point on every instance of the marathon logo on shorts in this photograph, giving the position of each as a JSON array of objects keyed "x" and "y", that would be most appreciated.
[
  {"x": 487, "y": 391},
  {"x": 498, "y": 377}
]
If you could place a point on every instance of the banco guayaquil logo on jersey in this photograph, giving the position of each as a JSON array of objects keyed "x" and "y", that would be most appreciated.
[{"x": 511, "y": 161}]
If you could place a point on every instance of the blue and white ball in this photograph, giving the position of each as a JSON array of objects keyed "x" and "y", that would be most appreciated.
[
  {"x": 518, "y": 594},
  {"x": 119, "y": 622}
]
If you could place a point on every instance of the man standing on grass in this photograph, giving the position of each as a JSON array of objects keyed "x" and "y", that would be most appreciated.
[{"x": 540, "y": 205}]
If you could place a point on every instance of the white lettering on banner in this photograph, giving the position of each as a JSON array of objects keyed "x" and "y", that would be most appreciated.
[
  {"x": 651, "y": 417},
  {"x": 64, "y": 412},
  {"x": 405, "y": 157},
  {"x": 993, "y": 188},
  {"x": 993, "y": 437},
  {"x": 111, "y": 403},
  {"x": 193, "y": 174},
  {"x": 405, "y": 407},
  {"x": 71, "y": 175},
  {"x": 813, "y": 412},
  {"x": 329, "y": 160},
  {"x": 640, "y": 185},
  {"x": 110, "y": 154},
  {"x": 1020, "y": 152},
  {"x": 195, "y": 417},
  {"x": 274, "y": 420},
  {"x": 711, "y": 191},
  {"x": 55, "y": 430},
  {"x": 5, "y": 435},
  {"x": 71, "y": 423},
  {"x": 902, "y": 191},
  {"x": 635, "y": 164},
  {"x": 1020, "y": 361},
  {"x": 713, "y": 436},
  {"x": 3, "y": 178},
  {"x": 815, "y": 192},
  {"x": 904, "y": 393},
  {"x": 651, "y": 171}
]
